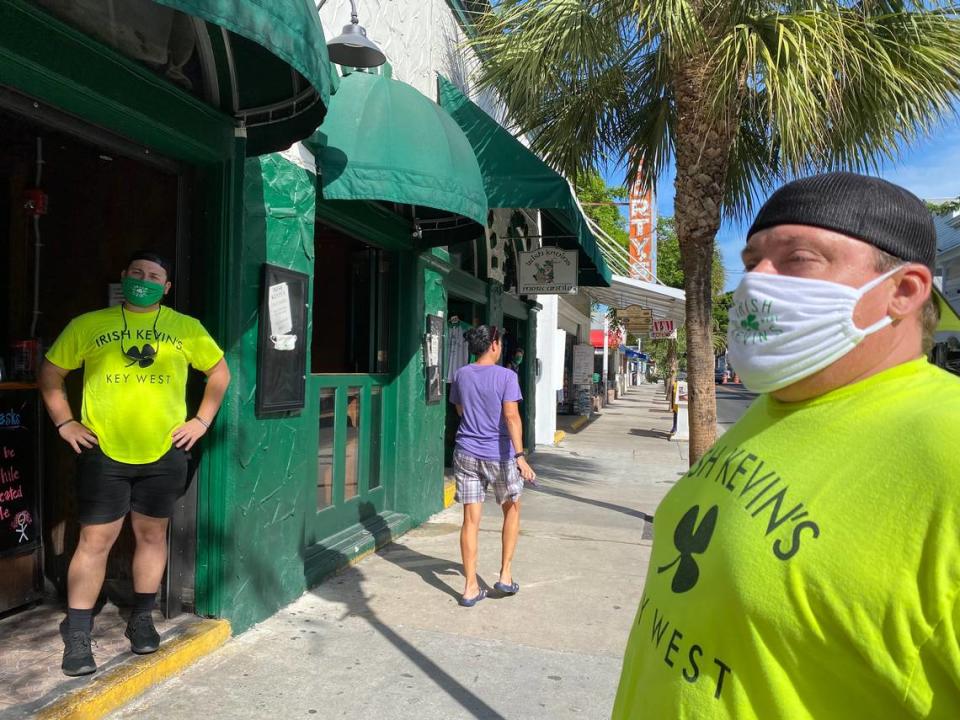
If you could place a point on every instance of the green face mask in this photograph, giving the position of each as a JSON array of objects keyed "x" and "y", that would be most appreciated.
[{"x": 142, "y": 293}]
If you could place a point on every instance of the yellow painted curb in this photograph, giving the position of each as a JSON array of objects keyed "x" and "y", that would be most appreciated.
[
  {"x": 579, "y": 422},
  {"x": 558, "y": 437},
  {"x": 449, "y": 491},
  {"x": 116, "y": 688}
]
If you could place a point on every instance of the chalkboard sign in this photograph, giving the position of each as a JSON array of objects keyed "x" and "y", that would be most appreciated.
[
  {"x": 19, "y": 478},
  {"x": 282, "y": 347}
]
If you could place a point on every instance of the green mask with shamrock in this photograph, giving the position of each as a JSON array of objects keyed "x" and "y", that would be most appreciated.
[{"x": 142, "y": 293}]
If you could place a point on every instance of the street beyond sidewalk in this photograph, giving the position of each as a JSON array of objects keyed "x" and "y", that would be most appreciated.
[{"x": 386, "y": 638}]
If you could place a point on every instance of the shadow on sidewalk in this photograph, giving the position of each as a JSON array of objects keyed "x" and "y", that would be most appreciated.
[
  {"x": 590, "y": 501},
  {"x": 658, "y": 434},
  {"x": 431, "y": 570},
  {"x": 565, "y": 468}
]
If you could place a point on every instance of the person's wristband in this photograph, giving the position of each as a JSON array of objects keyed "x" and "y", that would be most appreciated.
[
  {"x": 202, "y": 421},
  {"x": 65, "y": 422},
  {"x": 519, "y": 455}
]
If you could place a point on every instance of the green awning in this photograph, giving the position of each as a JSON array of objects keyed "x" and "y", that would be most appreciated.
[
  {"x": 513, "y": 177},
  {"x": 384, "y": 140},
  {"x": 272, "y": 65}
]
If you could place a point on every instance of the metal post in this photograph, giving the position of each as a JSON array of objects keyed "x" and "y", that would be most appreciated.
[{"x": 603, "y": 373}]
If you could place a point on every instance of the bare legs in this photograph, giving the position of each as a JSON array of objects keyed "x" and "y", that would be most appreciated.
[
  {"x": 468, "y": 547},
  {"x": 150, "y": 556},
  {"x": 508, "y": 537},
  {"x": 469, "y": 533},
  {"x": 89, "y": 563}
]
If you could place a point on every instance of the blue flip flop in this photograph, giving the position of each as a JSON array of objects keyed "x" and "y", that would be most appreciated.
[
  {"x": 470, "y": 602},
  {"x": 511, "y": 589}
]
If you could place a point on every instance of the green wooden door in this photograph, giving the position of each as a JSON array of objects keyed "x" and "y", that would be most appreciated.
[{"x": 351, "y": 487}]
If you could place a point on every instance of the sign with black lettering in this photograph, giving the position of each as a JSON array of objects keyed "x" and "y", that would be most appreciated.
[
  {"x": 548, "y": 271},
  {"x": 19, "y": 479}
]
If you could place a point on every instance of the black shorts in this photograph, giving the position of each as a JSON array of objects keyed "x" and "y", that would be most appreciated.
[{"x": 107, "y": 490}]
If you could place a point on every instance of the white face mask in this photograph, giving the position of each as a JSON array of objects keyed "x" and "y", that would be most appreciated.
[{"x": 783, "y": 329}]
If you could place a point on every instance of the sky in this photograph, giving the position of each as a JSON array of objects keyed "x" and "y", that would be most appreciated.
[{"x": 930, "y": 169}]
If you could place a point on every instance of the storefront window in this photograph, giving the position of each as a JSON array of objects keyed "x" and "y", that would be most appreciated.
[
  {"x": 463, "y": 256},
  {"x": 375, "y": 417},
  {"x": 354, "y": 411},
  {"x": 328, "y": 408},
  {"x": 352, "y": 306}
]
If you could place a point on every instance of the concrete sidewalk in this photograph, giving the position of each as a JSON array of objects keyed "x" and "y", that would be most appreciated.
[{"x": 386, "y": 638}]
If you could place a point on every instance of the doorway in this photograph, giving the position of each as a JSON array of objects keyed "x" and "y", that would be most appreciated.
[
  {"x": 72, "y": 210},
  {"x": 353, "y": 328}
]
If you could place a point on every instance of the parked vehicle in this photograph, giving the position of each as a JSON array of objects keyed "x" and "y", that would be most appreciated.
[{"x": 721, "y": 376}]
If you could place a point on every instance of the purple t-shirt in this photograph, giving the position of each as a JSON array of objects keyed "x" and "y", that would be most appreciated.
[{"x": 482, "y": 390}]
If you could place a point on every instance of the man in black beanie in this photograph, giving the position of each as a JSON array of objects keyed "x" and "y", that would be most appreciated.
[{"x": 808, "y": 565}]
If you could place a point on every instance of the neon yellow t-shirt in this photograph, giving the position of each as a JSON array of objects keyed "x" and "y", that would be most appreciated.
[
  {"x": 132, "y": 405},
  {"x": 808, "y": 565}
]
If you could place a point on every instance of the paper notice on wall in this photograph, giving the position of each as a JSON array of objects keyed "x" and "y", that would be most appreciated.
[
  {"x": 433, "y": 350},
  {"x": 281, "y": 317},
  {"x": 114, "y": 294},
  {"x": 284, "y": 342},
  {"x": 583, "y": 355}
]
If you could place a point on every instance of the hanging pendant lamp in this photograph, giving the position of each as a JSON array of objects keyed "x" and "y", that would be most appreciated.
[{"x": 352, "y": 47}]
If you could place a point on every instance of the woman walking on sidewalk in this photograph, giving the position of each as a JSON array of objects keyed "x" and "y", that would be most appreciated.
[{"x": 489, "y": 450}]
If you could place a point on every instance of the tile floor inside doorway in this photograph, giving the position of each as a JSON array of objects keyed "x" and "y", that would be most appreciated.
[{"x": 31, "y": 650}]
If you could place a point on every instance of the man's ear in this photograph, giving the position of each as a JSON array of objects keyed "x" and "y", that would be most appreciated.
[
  {"x": 912, "y": 291},
  {"x": 166, "y": 287}
]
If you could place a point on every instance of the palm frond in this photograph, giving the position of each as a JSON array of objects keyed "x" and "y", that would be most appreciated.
[
  {"x": 840, "y": 86},
  {"x": 561, "y": 67},
  {"x": 806, "y": 84}
]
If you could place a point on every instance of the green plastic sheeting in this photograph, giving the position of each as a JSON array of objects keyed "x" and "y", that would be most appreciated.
[
  {"x": 384, "y": 140},
  {"x": 275, "y": 57},
  {"x": 513, "y": 177}
]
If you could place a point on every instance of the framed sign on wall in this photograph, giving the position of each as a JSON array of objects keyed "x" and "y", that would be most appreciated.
[
  {"x": 282, "y": 342},
  {"x": 433, "y": 357}
]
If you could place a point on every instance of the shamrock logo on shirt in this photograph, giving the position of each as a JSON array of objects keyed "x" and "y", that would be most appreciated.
[
  {"x": 750, "y": 323},
  {"x": 142, "y": 357},
  {"x": 690, "y": 539}
]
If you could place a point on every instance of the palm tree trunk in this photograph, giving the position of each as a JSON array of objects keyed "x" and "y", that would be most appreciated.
[{"x": 702, "y": 152}]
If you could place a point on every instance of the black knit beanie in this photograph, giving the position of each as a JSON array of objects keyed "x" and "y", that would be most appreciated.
[
  {"x": 866, "y": 208},
  {"x": 154, "y": 258}
]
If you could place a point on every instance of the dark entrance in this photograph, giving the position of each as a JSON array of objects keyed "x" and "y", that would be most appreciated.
[{"x": 74, "y": 203}]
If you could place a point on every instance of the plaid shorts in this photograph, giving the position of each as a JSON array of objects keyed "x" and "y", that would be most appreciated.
[{"x": 474, "y": 475}]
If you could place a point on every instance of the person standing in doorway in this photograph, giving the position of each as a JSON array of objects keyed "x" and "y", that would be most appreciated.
[
  {"x": 516, "y": 361},
  {"x": 489, "y": 450},
  {"x": 132, "y": 440}
]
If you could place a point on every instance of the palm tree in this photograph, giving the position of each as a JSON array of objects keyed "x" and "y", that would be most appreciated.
[{"x": 738, "y": 94}]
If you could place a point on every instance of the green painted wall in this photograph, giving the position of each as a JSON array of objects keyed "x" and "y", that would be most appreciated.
[
  {"x": 419, "y": 427},
  {"x": 270, "y": 467}
]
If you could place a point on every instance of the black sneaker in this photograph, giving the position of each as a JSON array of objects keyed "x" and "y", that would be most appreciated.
[
  {"x": 77, "y": 655},
  {"x": 144, "y": 638}
]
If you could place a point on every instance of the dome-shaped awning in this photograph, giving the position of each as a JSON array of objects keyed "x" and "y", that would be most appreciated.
[
  {"x": 384, "y": 140},
  {"x": 263, "y": 63}
]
